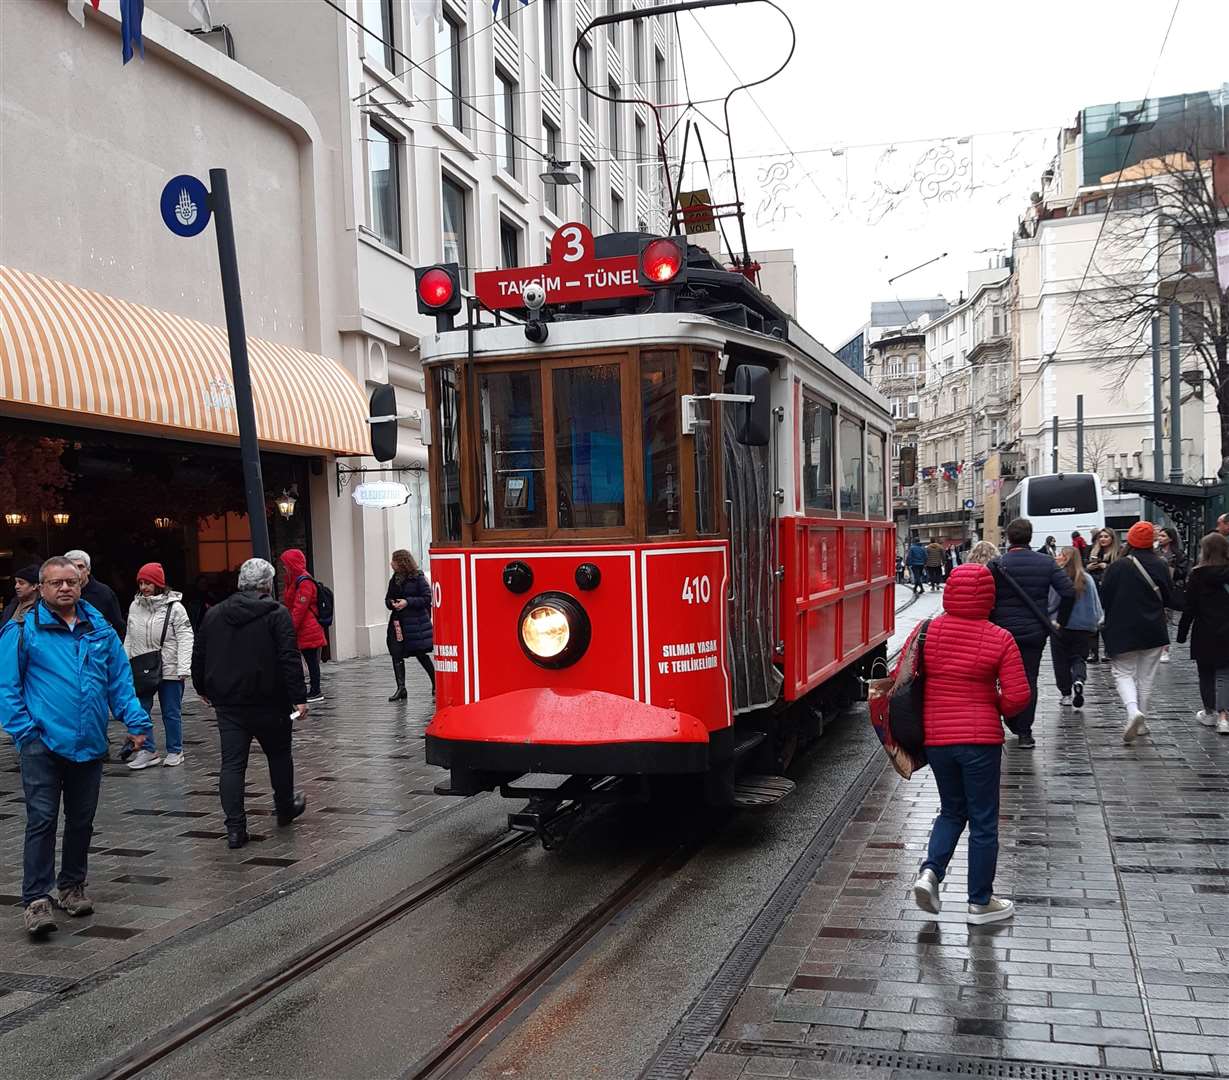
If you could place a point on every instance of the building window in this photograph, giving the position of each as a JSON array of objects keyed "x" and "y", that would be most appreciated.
[
  {"x": 638, "y": 51},
  {"x": 996, "y": 322},
  {"x": 509, "y": 244},
  {"x": 1135, "y": 200},
  {"x": 1193, "y": 322},
  {"x": 911, "y": 365},
  {"x": 550, "y": 38},
  {"x": 1099, "y": 205},
  {"x": 642, "y": 149},
  {"x": 383, "y": 153},
  {"x": 612, "y": 29},
  {"x": 584, "y": 64},
  {"x": 456, "y": 226},
  {"x": 449, "y": 64},
  {"x": 894, "y": 366},
  {"x": 552, "y": 150},
  {"x": 898, "y": 408},
  {"x": 377, "y": 18},
  {"x": 507, "y": 120},
  {"x": 586, "y": 194},
  {"x": 659, "y": 76},
  {"x": 1192, "y": 254},
  {"x": 616, "y": 213},
  {"x": 911, "y": 411},
  {"x": 613, "y": 91},
  {"x": 947, "y": 331}
]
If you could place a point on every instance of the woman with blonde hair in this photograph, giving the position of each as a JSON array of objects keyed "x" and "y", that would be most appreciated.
[
  {"x": 1069, "y": 648},
  {"x": 1105, "y": 549},
  {"x": 982, "y": 553},
  {"x": 409, "y": 625}
]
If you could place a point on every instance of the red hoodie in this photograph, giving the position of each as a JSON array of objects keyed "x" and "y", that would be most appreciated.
[
  {"x": 300, "y": 598},
  {"x": 974, "y": 674}
]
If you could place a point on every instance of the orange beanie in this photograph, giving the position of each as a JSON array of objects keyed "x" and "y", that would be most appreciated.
[{"x": 1141, "y": 535}]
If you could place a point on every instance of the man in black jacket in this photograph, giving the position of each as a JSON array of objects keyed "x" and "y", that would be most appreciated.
[
  {"x": 96, "y": 592},
  {"x": 1023, "y": 580},
  {"x": 246, "y": 664}
]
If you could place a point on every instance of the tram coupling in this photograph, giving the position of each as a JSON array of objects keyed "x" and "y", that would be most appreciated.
[{"x": 552, "y": 813}]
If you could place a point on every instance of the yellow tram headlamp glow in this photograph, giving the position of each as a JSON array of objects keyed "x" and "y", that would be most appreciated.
[{"x": 554, "y": 630}]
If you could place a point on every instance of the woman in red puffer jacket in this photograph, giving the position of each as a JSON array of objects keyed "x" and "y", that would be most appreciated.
[
  {"x": 300, "y": 598},
  {"x": 974, "y": 677}
]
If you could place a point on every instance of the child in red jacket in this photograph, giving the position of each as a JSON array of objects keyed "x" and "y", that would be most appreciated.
[
  {"x": 300, "y": 598},
  {"x": 974, "y": 677}
]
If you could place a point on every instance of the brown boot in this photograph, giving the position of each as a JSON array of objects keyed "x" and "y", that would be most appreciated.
[
  {"x": 38, "y": 920},
  {"x": 74, "y": 901}
]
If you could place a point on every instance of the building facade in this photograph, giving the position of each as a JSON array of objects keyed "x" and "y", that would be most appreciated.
[
  {"x": 375, "y": 144},
  {"x": 896, "y": 367}
]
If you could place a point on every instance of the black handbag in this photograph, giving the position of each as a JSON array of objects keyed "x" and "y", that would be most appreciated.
[
  {"x": 147, "y": 666},
  {"x": 905, "y": 706}
]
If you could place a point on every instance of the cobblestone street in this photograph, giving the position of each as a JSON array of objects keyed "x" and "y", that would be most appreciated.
[{"x": 1118, "y": 860}]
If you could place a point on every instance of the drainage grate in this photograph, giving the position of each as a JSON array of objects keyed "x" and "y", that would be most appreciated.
[
  {"x": 38, "y": 984},
  {"x": 945, "y": 1064},
  {"x": 693, "y": 1034}
]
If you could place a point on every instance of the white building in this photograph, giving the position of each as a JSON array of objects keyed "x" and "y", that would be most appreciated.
[{"x": 348, "y": 164}]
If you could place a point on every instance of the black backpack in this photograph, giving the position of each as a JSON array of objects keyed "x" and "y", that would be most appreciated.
[
  {"x": 324, "y": 600},
  {"x": 907, "y": 703}
]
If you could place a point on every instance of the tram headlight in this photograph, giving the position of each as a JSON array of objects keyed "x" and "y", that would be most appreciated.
[{"x": 554, "y": 630}]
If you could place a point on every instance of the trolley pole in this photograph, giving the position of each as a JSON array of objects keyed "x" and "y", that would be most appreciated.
[
  {"x": 1175, "y": 396},
  {"x": 232, "y": 299},
  {"x": 1079, "y": 433}
]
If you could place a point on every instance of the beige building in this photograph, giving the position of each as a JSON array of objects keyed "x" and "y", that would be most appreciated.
[
  {"x": 896, "y": 367},
  {"x": 348, "y": 166}
]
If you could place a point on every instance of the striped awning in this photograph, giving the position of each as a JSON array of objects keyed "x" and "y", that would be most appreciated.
[{"x": 70, "y": 354}]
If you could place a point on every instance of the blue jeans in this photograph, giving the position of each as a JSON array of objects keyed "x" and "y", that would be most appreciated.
[
  {"x": 46, "y": 777},
  {"x": 968, "y": 782},
  {"x": 170, "y": 698}
]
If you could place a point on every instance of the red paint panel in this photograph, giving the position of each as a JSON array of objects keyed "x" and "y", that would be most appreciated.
[
  {"x": 881, "y": 601},
  {"x": 883, "y": 561},
  {"x": 449, "y": 608},
  {"x": 857, "y": 567},
  {"x": 684, "y": 631},
  {"x": 820, "y": 639},
  {"x": 822, "y": 553},
  {"x": 853, "y": 623}
]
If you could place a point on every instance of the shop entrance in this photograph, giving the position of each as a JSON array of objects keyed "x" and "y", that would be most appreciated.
[{"x": 132, "y": 499}]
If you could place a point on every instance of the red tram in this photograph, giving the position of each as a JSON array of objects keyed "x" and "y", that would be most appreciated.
[{"x": 662, "y": 536}]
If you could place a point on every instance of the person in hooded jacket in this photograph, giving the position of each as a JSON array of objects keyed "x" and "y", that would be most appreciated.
[
  {"x": 155, "y": 609},
  {"x": 25, "y": 593},
  {"x": 300, "y": 598},
  {"x": 973, "y": 677},
  {"x": 1206, "y": 621},
  {"x": 1135, "y": 592},
  {"x": 247, "y": 666},
  {"x": 408, "y": 599}
]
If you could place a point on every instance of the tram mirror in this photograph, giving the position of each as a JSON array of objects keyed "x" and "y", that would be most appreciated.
[
  {"x": 753, "y": 425},
  {"x": 384, "y": 423}
]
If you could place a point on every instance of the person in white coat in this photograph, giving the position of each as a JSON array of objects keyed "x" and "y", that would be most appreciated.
[{"x": 158, "y": 621}]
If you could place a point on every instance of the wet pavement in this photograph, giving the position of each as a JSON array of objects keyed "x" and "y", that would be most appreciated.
[
  {"x": 1118, "y": 956},
  {"x": 159, "y": 864}
]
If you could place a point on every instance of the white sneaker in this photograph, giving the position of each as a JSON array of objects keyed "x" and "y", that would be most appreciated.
[
  {"x": 1135, "y": 726},
  {"x": 1165, "y": 657},
  {"x": 1065, "y": 699},
  {"x": 995, "y": 911},
  {"x": 926, "y": 892},
  {"x": 1222, "y": 726},
  {"x": 1207, "y": 719},
  {"x": 143, "y": 759},
  {"x": 173, "y": 759}
]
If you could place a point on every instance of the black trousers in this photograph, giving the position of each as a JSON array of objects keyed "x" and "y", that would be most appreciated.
[
  {"x": 399, "y": 653},
  {"x": 312, "y": 656},
  {"x": 1069, "y": 652},
  {"x": 237, "y": 729},
  {"x": 1207, "y": 685},
  {"x": 1030, "y": 653}
]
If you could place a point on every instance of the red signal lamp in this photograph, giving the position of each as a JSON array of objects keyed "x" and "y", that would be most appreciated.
[
  {"x": 438, "y": 291},
  {"x": 661, "y": 261}
]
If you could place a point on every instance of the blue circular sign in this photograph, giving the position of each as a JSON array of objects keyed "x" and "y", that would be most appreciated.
[{"x": 185, "y": 206}]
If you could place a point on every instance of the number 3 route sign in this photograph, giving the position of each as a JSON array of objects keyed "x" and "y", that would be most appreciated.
[{"x": 573, "y": 274}]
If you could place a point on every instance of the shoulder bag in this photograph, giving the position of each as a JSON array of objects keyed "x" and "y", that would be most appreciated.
[
  {"x": 147, "y": 666},
  {"x": 907, "y": 700}
]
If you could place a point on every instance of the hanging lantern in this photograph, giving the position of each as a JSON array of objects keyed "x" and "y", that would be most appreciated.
[
  {"x": 14, "y": 517},
  {"x": 285, "y": 504},
  {"x": 164, "y": 523},
  {"x": 61, "y": 517}
]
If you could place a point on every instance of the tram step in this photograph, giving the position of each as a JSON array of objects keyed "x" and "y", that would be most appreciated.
[
  {"x": 757, "y": 791},
  {"x": 747, "y": 741}
]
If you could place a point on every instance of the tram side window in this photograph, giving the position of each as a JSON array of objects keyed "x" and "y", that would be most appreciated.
[
  {"x": 853, "y": 467},
  {"x": 876, "y": 499},
  {"x": 659, "y": 403},
  {"x": 706, "y": 519},
  {"x": 513, "y": 454},
  {"x": 446, "y": 423},
  {"x": 817, "y": 450},
  {"x": 588, "y": 414}
]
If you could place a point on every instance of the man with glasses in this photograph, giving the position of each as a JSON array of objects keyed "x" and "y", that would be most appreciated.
[{"x": 62, "y": 671}]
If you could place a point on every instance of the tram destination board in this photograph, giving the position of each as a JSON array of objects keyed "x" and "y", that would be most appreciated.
[{"x": 574, "y": 273}]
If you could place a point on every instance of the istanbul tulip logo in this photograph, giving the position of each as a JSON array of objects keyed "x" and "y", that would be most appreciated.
[{"x": 185, "y": 205}]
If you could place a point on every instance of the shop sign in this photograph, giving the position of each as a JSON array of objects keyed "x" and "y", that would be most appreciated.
[
  {"x": 381, "y": 494},
  {"x": 185, "y": 205},
  {"x": 573, "y": 274}
]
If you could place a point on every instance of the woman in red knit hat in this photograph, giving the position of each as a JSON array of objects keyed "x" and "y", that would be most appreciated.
[
  {"x": 158, "y": 622},
  {"x": 1135, "y": 591}
]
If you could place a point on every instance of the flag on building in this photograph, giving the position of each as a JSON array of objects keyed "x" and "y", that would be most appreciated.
[
  {"x": 131, "y": 12},
  {"x": 199, "y": 10},
  {"x": 427, "y": 9},
  {"x": 76, "y": 8},
  {"x": 495, "y": 5}
]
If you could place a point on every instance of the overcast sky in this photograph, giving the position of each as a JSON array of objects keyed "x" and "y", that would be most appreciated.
[{"x": 877, "y": 79}]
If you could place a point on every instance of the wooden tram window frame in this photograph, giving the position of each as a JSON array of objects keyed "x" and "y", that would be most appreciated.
[{"x": 476, "y": 534}]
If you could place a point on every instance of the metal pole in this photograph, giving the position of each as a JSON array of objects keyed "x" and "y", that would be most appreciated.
[
  {"x": 1079, "y": 432},
  {"x": 232, "y": 298},
  {"x": 1054, "y": 452},
  {"x": 1175, "y": 396},
  {"x": 1158, "y": 435}
]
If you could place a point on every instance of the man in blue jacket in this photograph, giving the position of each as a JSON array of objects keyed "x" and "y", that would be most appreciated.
[
  {"x": 62, "y": 668},
  {"x": 915, "y": 559},
  {"x": 1020, "y": 608}
]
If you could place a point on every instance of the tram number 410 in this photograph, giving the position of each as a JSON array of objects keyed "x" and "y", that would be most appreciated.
[{"x": 697, "y": 590}]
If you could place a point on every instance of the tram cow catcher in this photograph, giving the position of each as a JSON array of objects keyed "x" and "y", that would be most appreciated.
[{"x": 663, "y": 549}]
